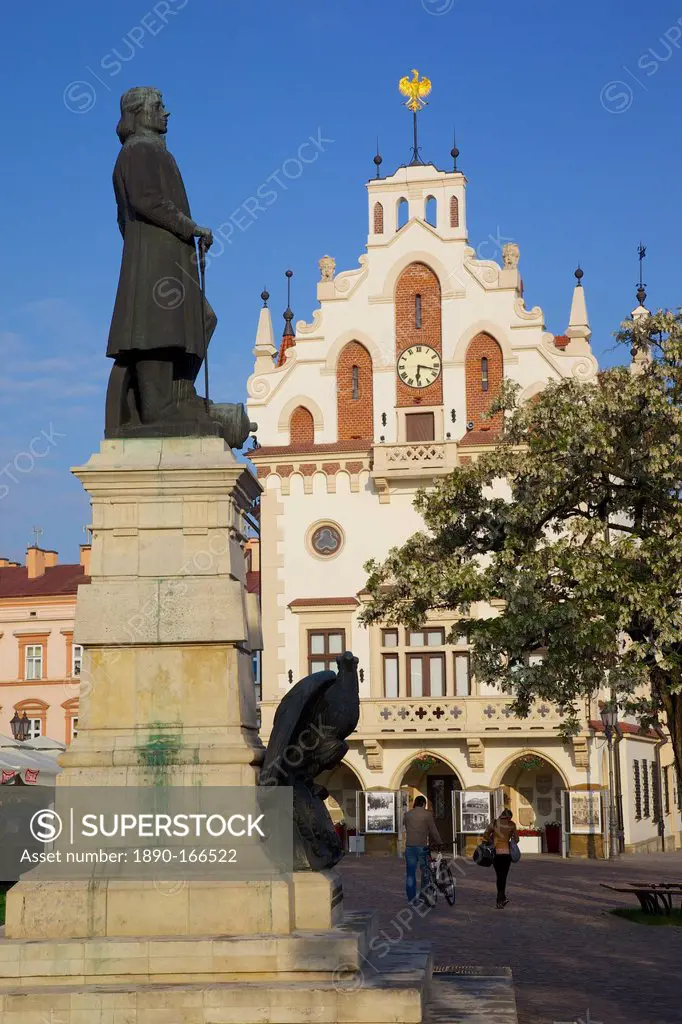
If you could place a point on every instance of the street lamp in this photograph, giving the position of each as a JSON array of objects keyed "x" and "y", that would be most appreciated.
[
  {"x": 20, "y": 727},
  {"x": 609, "y": 716}
]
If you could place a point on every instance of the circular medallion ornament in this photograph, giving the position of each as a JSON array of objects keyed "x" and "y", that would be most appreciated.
[
  {"x": 326, "y": 540},
  {"x": 419, "y": 366}
]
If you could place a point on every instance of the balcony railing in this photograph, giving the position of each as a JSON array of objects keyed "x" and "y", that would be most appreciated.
[
  {"x": 409, "y": 461},
  {"x": 472, "y": 715}
]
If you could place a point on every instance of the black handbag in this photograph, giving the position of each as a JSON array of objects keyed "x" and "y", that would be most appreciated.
[{"x": 484, "y": 855}]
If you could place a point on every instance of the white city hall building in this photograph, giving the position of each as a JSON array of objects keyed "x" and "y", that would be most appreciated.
[{"x": 381, "y": 393}]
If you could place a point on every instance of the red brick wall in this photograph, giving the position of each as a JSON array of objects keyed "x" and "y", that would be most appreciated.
[
  {"x": 454, "y": 212},
  {"x": 355, "y": 415},
  {"x": 378, "y": 219},
  {"x": 301, "y": 426},
  {"x": 418, "y": 279},
  {"x": 478, "y": 400}
]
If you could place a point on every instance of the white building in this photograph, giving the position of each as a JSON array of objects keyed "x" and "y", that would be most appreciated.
[{"x": 380, "y": 393}]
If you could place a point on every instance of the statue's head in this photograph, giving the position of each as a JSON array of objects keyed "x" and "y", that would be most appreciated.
[{"x": 142, "y": 109}]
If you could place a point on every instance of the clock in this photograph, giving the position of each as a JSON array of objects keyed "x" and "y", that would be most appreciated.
[{"x": 419, "y": 366}]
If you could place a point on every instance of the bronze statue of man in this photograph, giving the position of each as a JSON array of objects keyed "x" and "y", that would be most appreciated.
[{"x": 158, "y": 336}]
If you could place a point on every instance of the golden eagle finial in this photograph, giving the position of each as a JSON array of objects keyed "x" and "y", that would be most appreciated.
[{"x": 415, "y": 89}]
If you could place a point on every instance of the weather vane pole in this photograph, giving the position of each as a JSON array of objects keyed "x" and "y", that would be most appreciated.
[
  {"x": 415, "y": 89},
  {"x": 641, "y": 291}
]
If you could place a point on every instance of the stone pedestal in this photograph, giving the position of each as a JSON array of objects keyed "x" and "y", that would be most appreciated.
[
  {"x": 166, "y": 622},
  {"x": 167, "y": 699}
]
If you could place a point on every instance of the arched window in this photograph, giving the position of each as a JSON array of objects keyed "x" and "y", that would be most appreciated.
[
  {"x": 378, "y": 219},
  {"x": 431, "y": 211},
  {"x": 484, "y": 369},
  {"x": 454, "y": 212},
  {"x": 354, "y": 398},
  {"x": 36, "y": 712},
  {"x": 301, "y": 427},
  {"x": 418, "y": 311},
  {"x": 70, "y": 719},
  {"x": 403, "y": 213}
]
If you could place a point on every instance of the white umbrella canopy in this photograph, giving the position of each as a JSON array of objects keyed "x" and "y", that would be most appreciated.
[{"x": 22, "y": 757}]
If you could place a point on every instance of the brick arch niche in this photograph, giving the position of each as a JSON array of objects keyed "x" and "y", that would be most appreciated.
[
  {"x": 354, "y": 393},
  {"x": 418, "y": 301},
  {"x": 301, "y": 426},
  {"x": 484, "y": 370}
]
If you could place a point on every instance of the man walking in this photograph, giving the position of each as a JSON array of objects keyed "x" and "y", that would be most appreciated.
[{"x": 420, "y": 832}]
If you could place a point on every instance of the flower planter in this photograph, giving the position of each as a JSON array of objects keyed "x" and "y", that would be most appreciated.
[
  {"x": 553, "y": 836},
  {"x": 530, "y": 844}
]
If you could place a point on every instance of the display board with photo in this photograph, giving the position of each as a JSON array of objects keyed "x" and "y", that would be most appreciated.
[
  {"x": 380, "y": 812},
  {"x": 586, "y": 811},
  {"x": 474, "y": 812}
]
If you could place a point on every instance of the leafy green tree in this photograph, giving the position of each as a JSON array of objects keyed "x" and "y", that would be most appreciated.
[{"x": 572, "y": 531}]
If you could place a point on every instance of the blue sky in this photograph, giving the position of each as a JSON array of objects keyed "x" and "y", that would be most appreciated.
[{"x": 567, "y": 119}]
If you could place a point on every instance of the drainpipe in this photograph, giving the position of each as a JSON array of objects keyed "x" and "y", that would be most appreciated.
[{"x": 658, "y": 795}]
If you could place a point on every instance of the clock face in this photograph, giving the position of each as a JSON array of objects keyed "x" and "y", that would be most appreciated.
[{"x": 419, "y": 366}]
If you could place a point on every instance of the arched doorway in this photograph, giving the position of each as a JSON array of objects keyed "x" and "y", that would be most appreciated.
[
  {"x": 343, "y": 785},
  {"x": 430, "y": 776},
  {"x": 533, "y": 789}
]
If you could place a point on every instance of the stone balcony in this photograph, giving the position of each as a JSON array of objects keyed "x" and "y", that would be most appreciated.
[
  {"x": 474, "y": 716},
  {"x": 465, "y": 716},
  {"x": 392, "y": 463}
]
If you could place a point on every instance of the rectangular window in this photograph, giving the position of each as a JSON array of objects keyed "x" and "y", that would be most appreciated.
[
  {"x": 391, "y": 676},
  {"x": 389, "y": 638},
  {"x": 426, "y": 674},
  {"x": 324, "y": 646},
  {"x": 484, "y": 374},
  {"x": 462, "y": 676},
  {"x": 436, "y": 676},
  {"x": 35, "y": 728},
  {"x": 74, "y": 728},
  {"x": 666, "y": 790},
  {"x": 356, "y": 383},
  {"x": 34, "y": 661},
  {"x": 418, "y": 311},
  {"x": 76, "y": 659},
  {"x": 638, "y": 790},
  {"x": 426, "y": 638},
  {"x": 420, "y": 427},
  {"x": 655, "y": 793},
  {"x": 416, "y": 669},
  {"x": 645, "y": 789}
]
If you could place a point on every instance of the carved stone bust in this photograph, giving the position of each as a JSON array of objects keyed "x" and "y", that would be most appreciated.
[
  {"x": 327, "y": 267},
  {"x": 511, "y": 254}
]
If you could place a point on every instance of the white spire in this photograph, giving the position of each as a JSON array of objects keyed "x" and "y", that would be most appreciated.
[
  {"x": 579, "y": 330},
  {"x": 642, "y": 357},
  {"x": 265, "y": 349}
]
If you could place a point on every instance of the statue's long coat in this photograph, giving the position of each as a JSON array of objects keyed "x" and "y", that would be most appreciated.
[{"x": 158, "y": 302}]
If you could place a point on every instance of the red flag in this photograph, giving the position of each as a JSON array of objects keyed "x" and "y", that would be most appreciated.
[
  {"x": 6, "y": 776},
  {"x": 30, "y": 775}
]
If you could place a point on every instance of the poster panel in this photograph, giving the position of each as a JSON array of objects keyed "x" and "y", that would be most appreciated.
[{"x": 380, "y": 812}]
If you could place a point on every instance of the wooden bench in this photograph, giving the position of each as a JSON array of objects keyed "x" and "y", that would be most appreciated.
[{"x": 654, "y": 897}]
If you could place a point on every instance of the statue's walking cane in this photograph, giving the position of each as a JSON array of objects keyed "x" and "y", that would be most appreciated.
[{"x": 202, "y": 282}]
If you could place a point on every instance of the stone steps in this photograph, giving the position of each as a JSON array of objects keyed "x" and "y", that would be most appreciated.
[
  {"x": 472, "y": 995},
  {"x": 393, "y": 993},
  {"x": 70, "y": 962}
]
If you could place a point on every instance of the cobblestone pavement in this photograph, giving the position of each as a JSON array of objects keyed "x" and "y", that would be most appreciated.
[{"x": 572, "y": 961}]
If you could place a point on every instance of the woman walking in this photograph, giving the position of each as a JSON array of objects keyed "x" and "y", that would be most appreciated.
[{"x": 503, "y": 832}]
